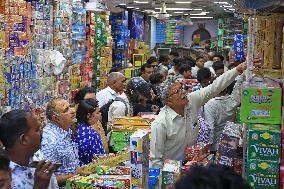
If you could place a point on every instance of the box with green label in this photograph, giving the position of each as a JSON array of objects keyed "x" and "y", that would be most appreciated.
[
  {"x": 263, "y": 174},
  {"x": 264, "y": 142},
  {"x": 261, "y": 102}
]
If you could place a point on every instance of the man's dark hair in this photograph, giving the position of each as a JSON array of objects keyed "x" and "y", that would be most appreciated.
[
  {"x": 200, "y": 57},
  {"x": 233, "y": 65},
  {"x": 211, "y": 177},
  {"x": 80, "y": 95},
  {"x": 12, "y": 125},
  {"x": 163, "y": 58},
  {"x": 156, "y": 78},
  {"x": 202, "y": 74},
  {"x": 144, "y": 66},
  {"x": 174, "y": 53},
  {"x": 183, "y": 68},
  {"x": 4, "y": 160},
  {"x": 86, "y": 107},
  {"x": 178, "y": 61},
  {"x": 218, "y": 65},
  {"x": 152, "y": 59},
  {"x": 220, "y": 56},
  {"x": 190, "y": 61},
  {"x": 208, "y": 41}
]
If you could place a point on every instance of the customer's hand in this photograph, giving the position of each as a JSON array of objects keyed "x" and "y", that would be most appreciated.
[
  {"x": 257, "y": 62},
  {"x": 81, "y": 171},
  {"x": 43, "y": 173}
]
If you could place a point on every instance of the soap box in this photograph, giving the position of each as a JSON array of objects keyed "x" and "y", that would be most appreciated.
[
  {"x": 112, "y": 170},
  {"x": 263, "y": 174},
  {"x": 170, "y": 173},
  {"x": 264, "y": 142},
  {"x": 261, "y": 103},
  {"x": 139, "y": 159}
]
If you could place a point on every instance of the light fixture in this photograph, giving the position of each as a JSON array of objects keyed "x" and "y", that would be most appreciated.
[
  {"x": 178, "y": 9},
  {"x": 178, "y": 12},
  {"x": 185, "y": 14},
  {"x": 122, "y": 4},
  {"x": 137, "y": 8},
  {"x": 197, "y": 9},
  {"x": 228, "y": 6},
  {"x": 141, "y": 2},
  {"x": 199, "y": 14},
  {"x": 221, "y": 2},
  {"x": 183, "y": 2},
  {"x": 232, "y": 9},
  {"x": 202, "y": 17},
  {"x": 130, "y": 7}
]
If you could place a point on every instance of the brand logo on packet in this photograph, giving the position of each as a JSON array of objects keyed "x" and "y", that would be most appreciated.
[
  {"x": 265, "y": 150},
  {"x": 263, "y": 181},
  {"x": 260, "y": 99}
]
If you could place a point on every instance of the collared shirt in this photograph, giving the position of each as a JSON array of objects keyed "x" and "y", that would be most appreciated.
[
  {"x": 89, "y": 143},
  {"x": 105, "y": 95},
  {"x": 194, "y": 71},
  {"x": 171, "y": 133},
  {"x": 57, "y": 146},
  {"x": 219, "y": 110},
  {"x": 23, "y": 177}
]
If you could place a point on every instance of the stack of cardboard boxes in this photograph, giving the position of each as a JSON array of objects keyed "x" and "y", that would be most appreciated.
[{"x": 261, "y": 111}]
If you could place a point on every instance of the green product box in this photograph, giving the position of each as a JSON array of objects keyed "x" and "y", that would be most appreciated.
[
  {"x": 119, "y": 146},
  {"x": 263, "y": 174},
  {"x": 121, "y": 136},
  {"x": 264, "y": 142},
  {"x": 261, "y": 105}
]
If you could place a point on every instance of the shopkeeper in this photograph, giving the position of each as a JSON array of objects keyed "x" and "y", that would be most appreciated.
[{"x": 175, "y": 127}]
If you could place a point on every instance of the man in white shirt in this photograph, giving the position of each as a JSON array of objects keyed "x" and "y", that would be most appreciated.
[
  {"x": 175, "y": 127},
  {"x": 199, "y": 64},
  {"x": 116, "y": 81},
  {"x": 221, "y": 109}
]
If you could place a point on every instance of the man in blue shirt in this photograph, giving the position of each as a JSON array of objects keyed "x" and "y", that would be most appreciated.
[{"x": 57, "y": 144}]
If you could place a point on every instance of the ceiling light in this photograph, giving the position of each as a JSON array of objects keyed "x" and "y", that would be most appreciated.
[
  {"x": 122, "y": 4},
  {"x": 222, "y": 2},
  {"x": 178, "y": 9},
  {"x": 141, "y": 2},
  {"x": 183, "y": 2},
  {"x": 185, "y": 14},
  {"x": 202, "y": 17},
  {"x": 232, "y": 9},
  {"x": 228, "y": 6},
  {"x": 130, "y": 7},
  {"x": 216, "y": 2},
  {"x": 178, "y": 12},
  {"x": 199, "y": 14},
  {"x": 137, "y": 8},
  {"x": 197, "y": 9}
]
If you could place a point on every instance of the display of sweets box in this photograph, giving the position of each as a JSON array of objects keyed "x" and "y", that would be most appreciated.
[
  {"x": 89, "y": 182},
  {"x": 263, "y": 174},
  {"x": 281, "y": 185},
  {"x": 264, "y": 142},
  {"x": 118, "y": 146},
  {"x": 122, "y": 178},
  {"x": 135, "y": 121},
  {"x": 139, "y": 159},
  {"x": 121, "y": 136},
  {"x": 261, "y": 102},
  {"x": 112, "y": 170},
  {"x": 170, "y": 173},
  {"x": 154, "y": 174},
  {"x": 197, "y": 152}
]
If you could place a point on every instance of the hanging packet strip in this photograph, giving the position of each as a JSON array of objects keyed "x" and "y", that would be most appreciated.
[{"x": 239, "y": 47}]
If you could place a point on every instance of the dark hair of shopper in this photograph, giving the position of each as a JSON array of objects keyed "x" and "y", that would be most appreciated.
[
  {"x": 219, "y": 56},
  {"x": 183, "y": 68},
  {"x": 85, "y": 108},
  {"x": 189, "y": 60},
  {"x": 134, "y": 91},
  {"x": 144, "y": 66},
  {"x": 174, "y": 53},
  {"x": 211, "y": 177},
  {"x": 4, "y": 160},
  {"x": 163, "y": 58},
  {"x": 156, "y": 78},
  {"x": 202, "y": 74},
  {"x": 80, "y": 95},
  {"x": 218, "y": 65},
  {"x": 178, "y": 61},
  {"x": 198, "y": 58},
  {"x": 152, "y": 59},
  {"x": 12, "y": 125}
]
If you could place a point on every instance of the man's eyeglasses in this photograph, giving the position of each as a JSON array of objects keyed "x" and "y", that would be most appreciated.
[{"x": 176, "y": 92}]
